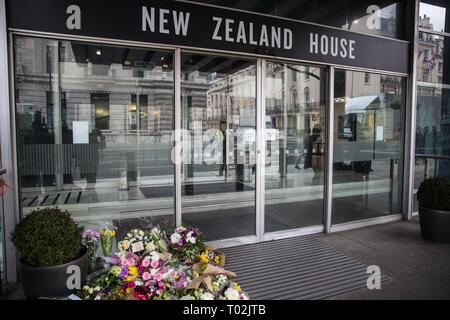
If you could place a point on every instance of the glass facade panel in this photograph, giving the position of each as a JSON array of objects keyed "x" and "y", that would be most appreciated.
[
  {"x": 383, "y": 18},
  {"x": 368, "y": 146},
  {"x": 433, "y": 113},
  {"x": 93, "y": 137},
  {"x": 434, "y": 15},
  {"x": 295, "y": 146},
  {"x": 218, "y": 97}
]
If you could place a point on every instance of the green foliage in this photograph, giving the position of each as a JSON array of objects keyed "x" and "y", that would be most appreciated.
[
  {"x": 47, "y": 237},
  {"x": 434, "y": 193}
]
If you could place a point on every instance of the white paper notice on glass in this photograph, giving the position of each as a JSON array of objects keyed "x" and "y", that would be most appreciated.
[
  {"x": 380, "y": 133},
  {"x": 80, "y": 132}
]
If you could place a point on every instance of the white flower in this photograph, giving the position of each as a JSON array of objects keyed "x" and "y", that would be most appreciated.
[
  {"x": 98, "y": 297},
  {"x": 151, "y": 246},
  {"x": 139, "y": 283},
  {"x": 132, "y": 239},
  {"x": 191, "y": 240},
  {"x": 207, "y": 296},
  {"x": 231, "y": 294},
  {"x": 86, "y": 288},
  {"x": 141, "y": 233},
  {"x": 125, "y": 244},
  {"x": 154, "y": 271},
  {"x": 97, "y": 288},
  {"x": 129, "y": 235},
  {"x": 91, "y": 290},
  {"x": 175, "y": 237},
  {"x": 121, "y": 254}
]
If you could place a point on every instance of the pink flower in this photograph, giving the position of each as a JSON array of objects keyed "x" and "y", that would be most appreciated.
[
  {"x": 146, "y": 276},
  {"x": 158, "y": 277},
  {"x": 131, "y": 284},
  {"x": 149, "y": 283},
  {"x": 146, "y": 262},
  {"x": 154, "y": 264},
  {"x": 180, "y": 242}
]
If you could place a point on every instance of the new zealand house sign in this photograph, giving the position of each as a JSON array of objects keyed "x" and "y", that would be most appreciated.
[{"x": 200, "y": 26}]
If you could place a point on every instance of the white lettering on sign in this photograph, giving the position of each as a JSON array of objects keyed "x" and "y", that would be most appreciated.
[
  {"x": 74, "y": 20},
  {"x": 246, "y": 33},
  {"x": 331, "y": 45},
  {"x": 374, "y": 20},
  {"x": 180, "y": 21}
]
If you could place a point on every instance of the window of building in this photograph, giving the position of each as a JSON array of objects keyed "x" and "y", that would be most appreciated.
[
  {"x": 367, "y": 78},
  {"x": 100, "y": 101}
]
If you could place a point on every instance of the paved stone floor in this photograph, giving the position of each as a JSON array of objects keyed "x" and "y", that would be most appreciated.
[{"x": 418, "y": 269}]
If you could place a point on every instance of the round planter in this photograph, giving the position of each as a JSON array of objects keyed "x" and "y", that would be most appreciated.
[
  {"x": 60, "y": 280},
  {"x": 435, "y": 224}
]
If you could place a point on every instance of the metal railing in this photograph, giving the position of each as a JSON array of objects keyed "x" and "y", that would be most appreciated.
[{"x": 427, "y": 158}]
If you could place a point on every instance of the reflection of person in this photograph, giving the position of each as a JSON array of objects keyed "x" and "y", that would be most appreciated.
[
  {"x": 90, "y": 161},
  {"x": 300, "y": 156},
  {"x": 4, "y": 186},
  {"x": 307, "y": 145},
  {"x": 221, "y": 135}
]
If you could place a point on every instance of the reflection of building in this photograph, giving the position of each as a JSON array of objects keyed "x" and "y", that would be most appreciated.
[
  {"x": 430, "y": 59},
  {"x": 231, "y": 100},
  {"x": 300, "y": 106},
  {"x": 118, "y": 97}
]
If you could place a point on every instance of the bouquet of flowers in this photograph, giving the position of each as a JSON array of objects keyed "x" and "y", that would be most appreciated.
[
  {"x": 224, "y": 289},
  {"x": 186, "y": 243},
  {"x": 210, "y": 255},
  {"x": 107, "y": 239},
  {"x": 146, "y": 271},
  {"x": 90, "y": 239},
  {"x": 159, "y": 239}
]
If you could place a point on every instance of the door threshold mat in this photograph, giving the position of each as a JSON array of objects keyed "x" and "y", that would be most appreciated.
[
  {"x": 196, "y": 189},
  {"x": 295, "y": 269}
]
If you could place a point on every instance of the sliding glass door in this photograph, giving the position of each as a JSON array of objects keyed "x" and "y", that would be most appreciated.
[
  {"x": 295, "y": 111},
  {"x": 218, "y": 121}
]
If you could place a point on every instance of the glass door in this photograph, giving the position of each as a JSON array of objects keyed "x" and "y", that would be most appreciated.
[
  {"x": 218, "y": 121},
  {"x": 295, "y": 137}
]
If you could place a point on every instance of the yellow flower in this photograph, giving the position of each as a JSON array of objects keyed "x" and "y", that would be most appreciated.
[
  {"x": 168, "y": 285},
  {"x": 204, "y": 258},
  {"x": 237, "y": 287}
]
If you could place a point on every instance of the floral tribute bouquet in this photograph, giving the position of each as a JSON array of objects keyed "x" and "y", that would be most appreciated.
[
  {"x": 107, "y": 240},
  {"x": 149, "y": 271},
  {"x": 186, "y": 243},
  {"x": 90, "y": 239}
]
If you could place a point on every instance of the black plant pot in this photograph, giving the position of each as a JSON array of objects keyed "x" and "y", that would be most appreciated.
[
  {"x": 435, "y": 224},
  {"x": 54, "y": 281}
]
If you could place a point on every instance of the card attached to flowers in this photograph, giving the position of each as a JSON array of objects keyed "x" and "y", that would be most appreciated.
[{"x": 137, "y": 246}]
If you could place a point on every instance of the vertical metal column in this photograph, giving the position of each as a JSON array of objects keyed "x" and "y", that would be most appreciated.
[
  {"x": 410, "y": 124},
  {"x": 328, "y": 192},
  {"x": 260, "y": 146},
  {"x": 55, "y": 86},
  {"x": 177, "y": 119},
  {"x": 8, "y": 146}
]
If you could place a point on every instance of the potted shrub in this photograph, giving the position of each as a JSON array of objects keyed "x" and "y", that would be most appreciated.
[
  {"x": 434, "y": 209},
  {"x": 53, "y": 261}
]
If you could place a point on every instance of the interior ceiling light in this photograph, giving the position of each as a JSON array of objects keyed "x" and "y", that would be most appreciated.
[
  {"x": 98, "y": 52},
  {"x": 127, "y": 62}
]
